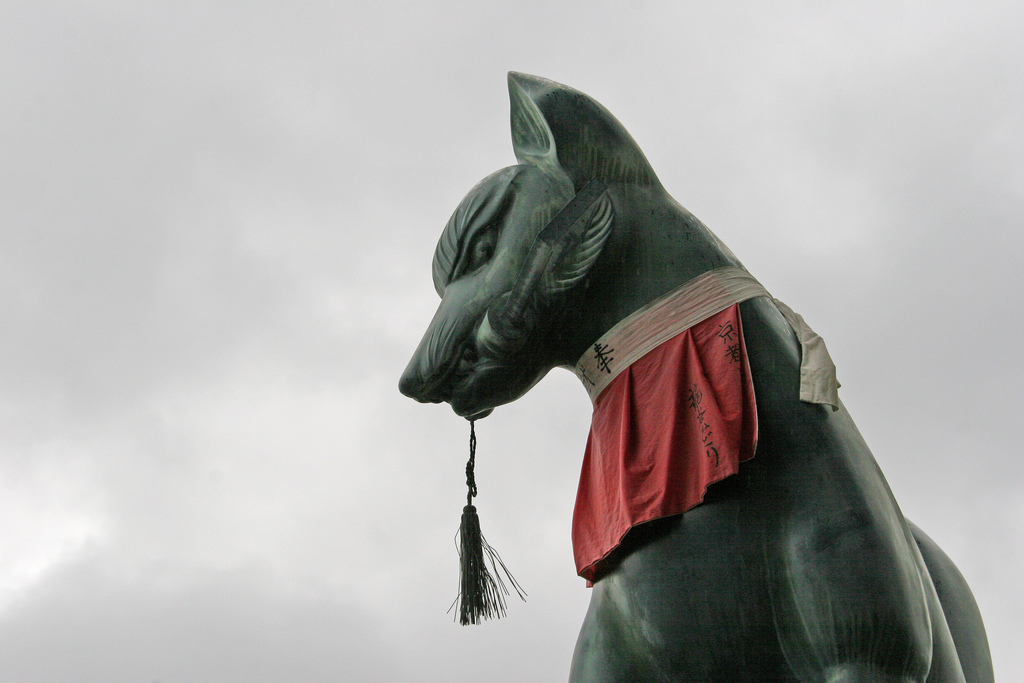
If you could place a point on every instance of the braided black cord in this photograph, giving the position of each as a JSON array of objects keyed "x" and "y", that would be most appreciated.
[{"x": 470, "y": 476}]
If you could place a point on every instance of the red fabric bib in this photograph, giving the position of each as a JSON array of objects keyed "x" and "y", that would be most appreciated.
[{"x": 671, "y": 424}]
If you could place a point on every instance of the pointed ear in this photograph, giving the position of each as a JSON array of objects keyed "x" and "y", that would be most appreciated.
[
  {"x": 532, "y": 140},
  {"x": 551, "y": 118}
]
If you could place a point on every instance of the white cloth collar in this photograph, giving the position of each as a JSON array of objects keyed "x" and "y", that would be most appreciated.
[{"x": 642, "y": 331}]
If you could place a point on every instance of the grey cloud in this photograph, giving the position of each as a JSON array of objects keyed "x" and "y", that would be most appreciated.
[{"x": 216, "y": 224}]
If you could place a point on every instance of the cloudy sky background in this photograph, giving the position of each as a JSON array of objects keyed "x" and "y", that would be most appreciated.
[{"x": 216, "y": 225}]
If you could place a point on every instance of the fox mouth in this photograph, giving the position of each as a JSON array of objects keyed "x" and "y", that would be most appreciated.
[
  {"x": 456, "y": 372},
  {"x": 465, "y": 379}
]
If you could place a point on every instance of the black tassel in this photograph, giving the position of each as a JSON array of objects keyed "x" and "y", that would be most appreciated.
[{"x": 481, "y": 592}]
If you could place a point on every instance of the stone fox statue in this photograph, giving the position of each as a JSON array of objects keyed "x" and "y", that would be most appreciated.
[{"x": 730, "y": 518}]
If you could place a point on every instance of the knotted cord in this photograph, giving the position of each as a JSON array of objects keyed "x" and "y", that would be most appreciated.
[{"x": 481, "y": 590}]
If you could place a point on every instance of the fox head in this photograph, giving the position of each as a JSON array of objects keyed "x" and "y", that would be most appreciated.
[{"x": 511, "y": 297}]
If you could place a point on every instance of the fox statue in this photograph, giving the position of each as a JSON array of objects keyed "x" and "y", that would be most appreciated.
[{"x": 730, "y": 517}]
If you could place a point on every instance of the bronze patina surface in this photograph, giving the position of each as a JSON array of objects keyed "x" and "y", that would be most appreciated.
[{"x": 799, "y": 568}]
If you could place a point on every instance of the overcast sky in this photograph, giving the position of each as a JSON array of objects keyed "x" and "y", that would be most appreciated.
[{"x": 216, "y": 226}]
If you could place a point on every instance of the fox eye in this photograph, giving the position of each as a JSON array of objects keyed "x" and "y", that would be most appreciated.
[{"x": 481, "y": 249}]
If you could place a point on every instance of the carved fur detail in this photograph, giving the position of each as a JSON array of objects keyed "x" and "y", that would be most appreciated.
[{"x": 582, "y": 247}]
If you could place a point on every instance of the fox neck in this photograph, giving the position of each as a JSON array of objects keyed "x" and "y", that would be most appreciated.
[{"x": 655, "y": 246}]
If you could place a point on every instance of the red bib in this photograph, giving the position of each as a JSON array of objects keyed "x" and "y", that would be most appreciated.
[{"x": 669, "y": 425}]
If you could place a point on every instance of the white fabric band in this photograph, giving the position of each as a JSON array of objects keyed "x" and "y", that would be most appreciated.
[{"x": 642, "y": 331}]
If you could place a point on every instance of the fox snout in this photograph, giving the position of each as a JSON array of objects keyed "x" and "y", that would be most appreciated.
[
  {"x": 414, "y": 385},
  {"x": 447, "y": 351},
  {"x": 428, "y": 382}
]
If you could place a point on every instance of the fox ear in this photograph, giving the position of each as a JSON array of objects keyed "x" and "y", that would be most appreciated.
[
  {"x": 587, "y": 142},
  {"x": 532, "y": 140}
]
